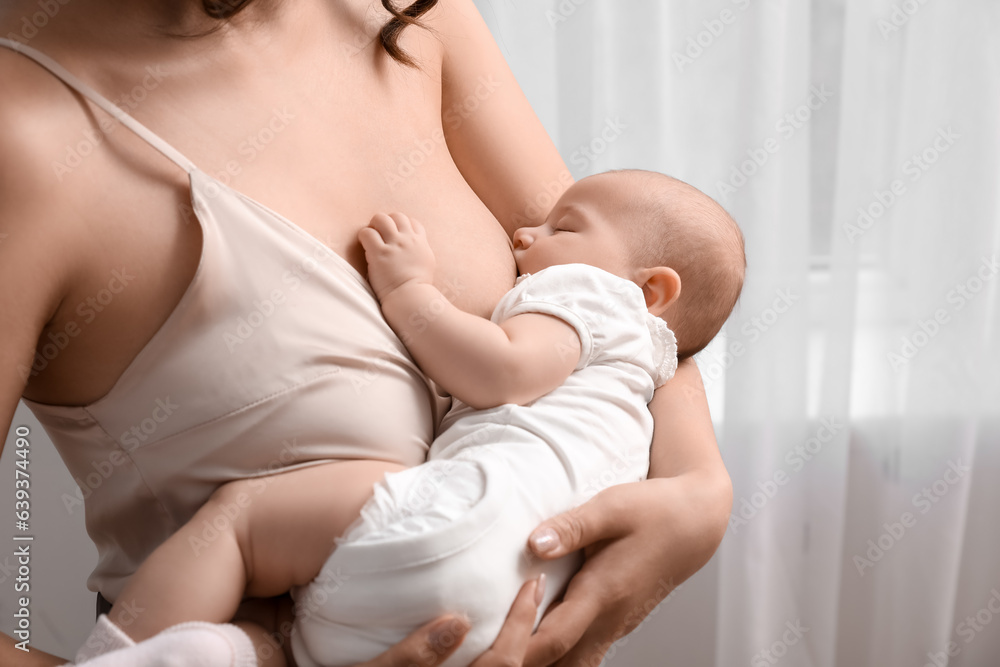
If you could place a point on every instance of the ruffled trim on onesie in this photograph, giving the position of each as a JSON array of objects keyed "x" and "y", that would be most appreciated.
[
  {"x": 585, "y": 297},
  {"x": 664, "y": 349}
]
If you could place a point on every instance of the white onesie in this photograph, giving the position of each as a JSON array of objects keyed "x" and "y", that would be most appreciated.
[{"x": 450, "y": 535}]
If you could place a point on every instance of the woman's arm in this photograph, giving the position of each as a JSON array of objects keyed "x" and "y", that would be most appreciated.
[
  {"x": 662, "y": 530},
  {"x": 34, "y": 272},
  {"x": 688, "y": 444},
  {"x": 494, "y": 136},
  {"x": 641, "y": 540}
]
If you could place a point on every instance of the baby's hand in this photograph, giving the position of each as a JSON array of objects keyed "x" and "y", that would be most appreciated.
[{"x": 397, "y": 252}]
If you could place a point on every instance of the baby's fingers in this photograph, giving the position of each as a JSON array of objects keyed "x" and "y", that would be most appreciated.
[
  {"x": 408, "y": 225},
  {"x": 403, "y": 222},
  {"x": 370, "y": 239},
  {"x": 385, "y": 225},
  {"x": 428, "y": 646}
]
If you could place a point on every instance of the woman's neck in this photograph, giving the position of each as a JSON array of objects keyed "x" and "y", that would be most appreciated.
[{"x": 124, "y": 24}]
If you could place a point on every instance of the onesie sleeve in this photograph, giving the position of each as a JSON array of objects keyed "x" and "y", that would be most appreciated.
[{"x": 607, "y": 312}]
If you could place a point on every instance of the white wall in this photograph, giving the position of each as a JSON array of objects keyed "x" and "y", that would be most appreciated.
[{"x": 61, "y": 607}]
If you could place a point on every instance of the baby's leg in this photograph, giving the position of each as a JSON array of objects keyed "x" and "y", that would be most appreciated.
[
  {"x": 447, "y": 536},
  {"x": 257, "y": 536}
]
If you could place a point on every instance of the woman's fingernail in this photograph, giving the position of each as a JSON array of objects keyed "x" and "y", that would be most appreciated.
[
  {"x": 540, "y": 589},
  {"x": 545, "y": 540},
  {"x": 446, "y": 633}
]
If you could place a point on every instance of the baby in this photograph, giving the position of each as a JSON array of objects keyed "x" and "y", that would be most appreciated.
[{"x": 550, "y": 406}]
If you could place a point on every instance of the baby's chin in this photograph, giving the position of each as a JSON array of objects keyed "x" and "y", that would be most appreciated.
[
  {"x": 525, "y": 267},
  {"x": 523, "y": 264}
]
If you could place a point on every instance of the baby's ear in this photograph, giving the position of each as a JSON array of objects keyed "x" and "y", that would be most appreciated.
[{"x": 661, "y": 286}]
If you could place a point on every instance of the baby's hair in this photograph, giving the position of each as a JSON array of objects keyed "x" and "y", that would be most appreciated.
[{"x": 692, "y": 234}]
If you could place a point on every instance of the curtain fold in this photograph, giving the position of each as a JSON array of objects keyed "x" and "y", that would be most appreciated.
[{"x": 856, "y": 388}]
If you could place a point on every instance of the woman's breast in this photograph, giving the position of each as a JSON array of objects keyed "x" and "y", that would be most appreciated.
[
  {"x": 325, "y": 157},
  {"x": 475, "y": 266},
  {"x": 277, "y": 339},
  {"x": 277, "y": 356},
  {"x": 373, "y": 143}
]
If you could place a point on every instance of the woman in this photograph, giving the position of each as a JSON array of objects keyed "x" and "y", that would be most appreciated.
[{"x": 299, "y": 107}]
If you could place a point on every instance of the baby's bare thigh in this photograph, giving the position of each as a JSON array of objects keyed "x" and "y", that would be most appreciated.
[{"x": 287, "y": 522}]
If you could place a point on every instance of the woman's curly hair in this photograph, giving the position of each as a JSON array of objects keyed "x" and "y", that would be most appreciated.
[{"x": 388, "y": 35}]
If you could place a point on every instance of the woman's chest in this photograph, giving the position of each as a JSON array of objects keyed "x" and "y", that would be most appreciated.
[
  {"x": 325, "y": 149},
  {"x": 329, "y": 146}
]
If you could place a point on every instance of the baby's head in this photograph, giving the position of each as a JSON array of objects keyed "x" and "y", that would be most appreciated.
[{"x": 656, "y": 231}]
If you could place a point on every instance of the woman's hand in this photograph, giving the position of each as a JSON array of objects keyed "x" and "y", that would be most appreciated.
[
  {"x": 427, "y": 646},
  {"x": 641, "y": 540},
  {"x": 433, "y": 643}
]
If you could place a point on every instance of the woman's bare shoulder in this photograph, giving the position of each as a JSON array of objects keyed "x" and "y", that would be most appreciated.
[
  {"x": 39, "y": 244},
  {"x": 517, "y": 174},
  {"x": 40, "y": 213},
  {"x": 454, "y": 19},
  {"x": 451, "y": 10},
  {"x": 40, "y": 120}
]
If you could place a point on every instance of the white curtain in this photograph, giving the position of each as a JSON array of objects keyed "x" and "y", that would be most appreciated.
[
  {"x": 856, "y": 387},
  {"x": 865, "y": 527}
]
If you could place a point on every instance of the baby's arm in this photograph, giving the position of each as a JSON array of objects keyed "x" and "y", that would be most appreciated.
[{"x": 481, "y": 363}]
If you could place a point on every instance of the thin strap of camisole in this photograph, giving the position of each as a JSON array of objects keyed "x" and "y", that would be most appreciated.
[{"x": 131, "y": 123}]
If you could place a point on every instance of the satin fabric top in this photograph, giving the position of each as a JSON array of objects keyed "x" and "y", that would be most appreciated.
[{"x": 276, "y": 357}]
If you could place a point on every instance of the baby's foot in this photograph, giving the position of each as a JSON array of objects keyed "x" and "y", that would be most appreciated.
[{"x": 194, "y": 644}]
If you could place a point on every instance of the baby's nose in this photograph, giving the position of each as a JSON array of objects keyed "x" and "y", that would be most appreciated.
[{"x": 522, "y": 238}]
